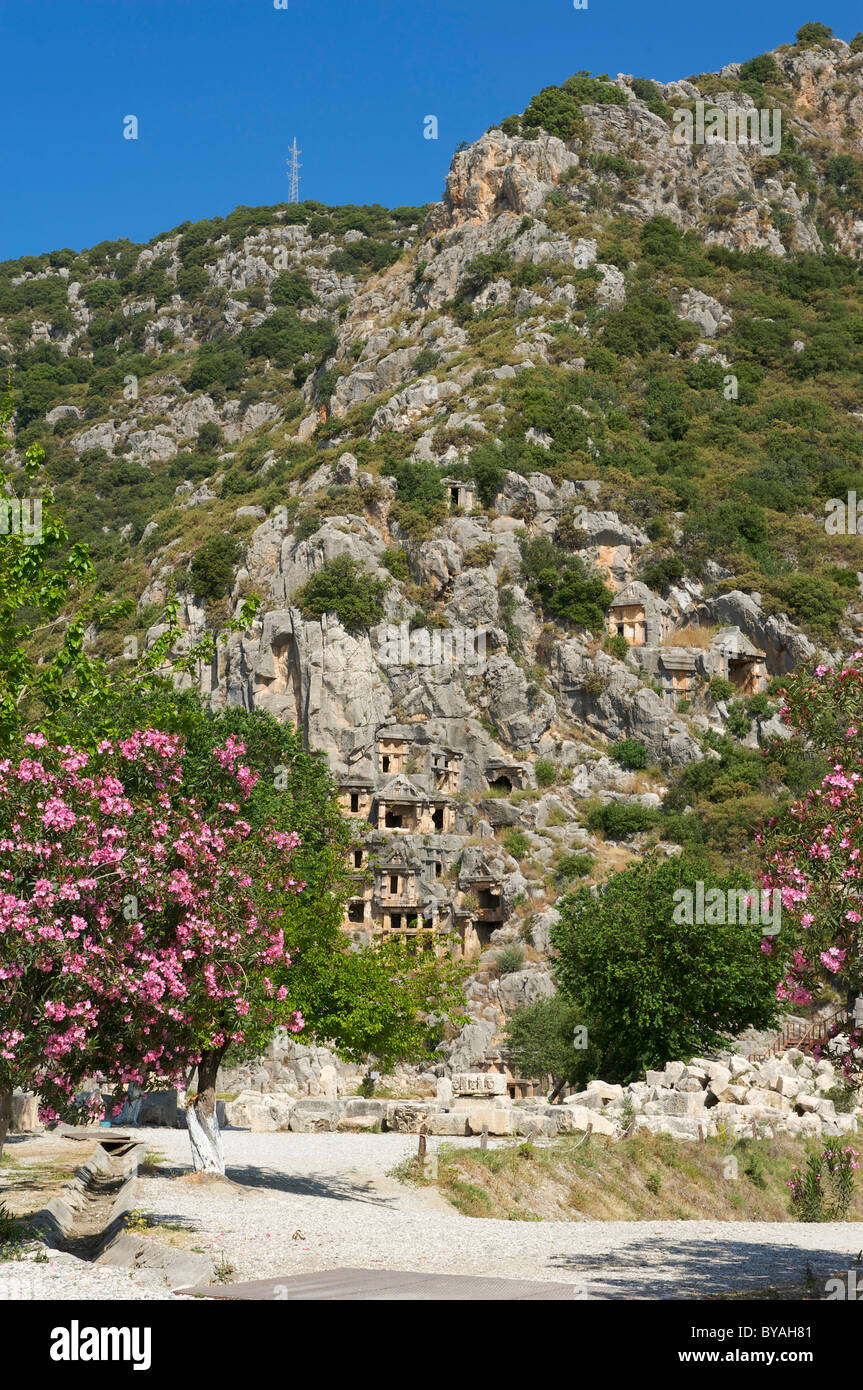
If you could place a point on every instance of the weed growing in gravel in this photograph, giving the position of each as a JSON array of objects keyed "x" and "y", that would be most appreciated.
[
  {"x": 224, "y": 1271},
  {"x": 151, "y": 1163},
  {"x": 15, "y": 1242},
  {"x": 139, "y": 1222}
]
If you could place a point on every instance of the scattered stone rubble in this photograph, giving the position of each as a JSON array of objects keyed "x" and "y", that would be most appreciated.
[
  {"x": 728, "y": 1095},
  {"x": 789, "y": 1094}
]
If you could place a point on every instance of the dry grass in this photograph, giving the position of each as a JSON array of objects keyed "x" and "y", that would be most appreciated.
[
  {"x": 33, "y": 1170},
  {"x": 640, "y": 782},
  {"x": 645, "y": 1178}
]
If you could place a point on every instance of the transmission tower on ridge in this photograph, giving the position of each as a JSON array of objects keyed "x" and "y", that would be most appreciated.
[{"x": 294, "y": 172}]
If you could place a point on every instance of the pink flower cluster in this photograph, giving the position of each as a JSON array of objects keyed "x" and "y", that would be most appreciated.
[{"x": 134, "y": 931}]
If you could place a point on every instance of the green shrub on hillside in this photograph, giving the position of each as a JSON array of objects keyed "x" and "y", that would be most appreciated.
[
  {"x": 555, "y": 111},
  {"x": 509, "y": 959},
  {"x": 516, "y": 843},
  {"x": 285, "y": 338},
  {"x": 396, "y": 561},
  {"x": 573, "y": 865},
  {"x": 340, "y": 587},
  {"x": 212, "y": 568},
  {"x": 291, "y": 289},
  {"x": 813, "y": 35},
  {"x": 621, "y": 819},
  {"x": 645, "y": 324},
  {"x": 545, "y": 772},
  {"x": 630, "y": 753},
  {"x": 649, "y": 93},
  {"x": 367, "y": 254},
  {"x": 561, "y": 583}
]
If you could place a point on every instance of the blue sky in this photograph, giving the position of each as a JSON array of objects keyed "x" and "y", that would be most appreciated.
[{"x": 220, "y": 88}]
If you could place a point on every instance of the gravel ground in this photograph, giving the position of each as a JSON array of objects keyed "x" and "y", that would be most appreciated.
[
  {"x": 300, "y": 1203},
  {"x": 66, "y": 1278},
  {"x": 310, "y": 1202}
]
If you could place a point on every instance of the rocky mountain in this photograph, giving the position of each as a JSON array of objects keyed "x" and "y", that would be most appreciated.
[{"x": 531, "y": 482}]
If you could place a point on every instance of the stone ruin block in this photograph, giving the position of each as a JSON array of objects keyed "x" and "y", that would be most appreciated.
[
  {"x": 479, "y": 1083},
  {"x": 497, "y": 1118},
  {"x": 407, "y": 1116},
  {"x": 451, "y": 1123}
]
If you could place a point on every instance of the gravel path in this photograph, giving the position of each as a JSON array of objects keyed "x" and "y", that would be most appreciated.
[
  {"x": 321, "y": 1201},
  {"x": 65, "y": 1278}
]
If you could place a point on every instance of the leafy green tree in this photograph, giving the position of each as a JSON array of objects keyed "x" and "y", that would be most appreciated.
[
  {"x": 418, "y": 484},
  {"x": 209, "y": 437},
  {"x": 763, "y": 68},
  {"x": 546, "y": 1039},
  {"x": 659, "y": 574},
  {"x": 594, "y": 91},
  {"x": 556, "y": 111},
  {"x": 646, "y": 322},
  {"x": 285, "y": 338},
  {"x": 212, "y": 567},
  {"x": 291, "y": 289},
  {"x": 487, "y": 471},
  {"x": 340, "y": 587},
  {"x": 213, "y": 366},
  {"x": 653, "y": 989},
  {"x": 813, "y": 35},
  {"x": 562, "y": 584},
  {"x": 192, "y": 281},
  {"x": 43, "y": 662}
]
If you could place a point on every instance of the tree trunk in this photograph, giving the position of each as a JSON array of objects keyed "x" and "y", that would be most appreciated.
[
  {"x": 556, "y": 1092},
  {"x": 203, "y": 1122},
  {"x": 131, "y": 1106},
  {"x": 5, "y": 1117}
]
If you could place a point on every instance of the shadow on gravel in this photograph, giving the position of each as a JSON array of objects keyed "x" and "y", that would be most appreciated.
[
  {"x": 341, "y": 1189},
  {"x": 658, "y": 1267}
]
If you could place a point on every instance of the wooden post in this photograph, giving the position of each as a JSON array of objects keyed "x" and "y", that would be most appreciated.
[
  {"x": 700, "y": 1133},
  {"x": 421, "y": 1148}
]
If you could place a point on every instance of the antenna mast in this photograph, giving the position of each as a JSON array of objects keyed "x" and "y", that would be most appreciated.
[{"x": 294, "y": 172}]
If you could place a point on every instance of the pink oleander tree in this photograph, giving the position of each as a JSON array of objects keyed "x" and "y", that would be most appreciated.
[
  {"x": 813, "y": 852},
  {"x": 139, "y": 938}
]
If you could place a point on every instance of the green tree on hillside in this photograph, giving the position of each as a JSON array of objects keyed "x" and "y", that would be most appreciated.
[{"x": 340, "y": 587}]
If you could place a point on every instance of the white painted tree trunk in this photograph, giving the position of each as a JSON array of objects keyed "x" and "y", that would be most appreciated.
[
  {"x": 206, "y": 1140},
  {"x": 202, "y": 1119},
  {"x": 5, "y": 1117}
]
